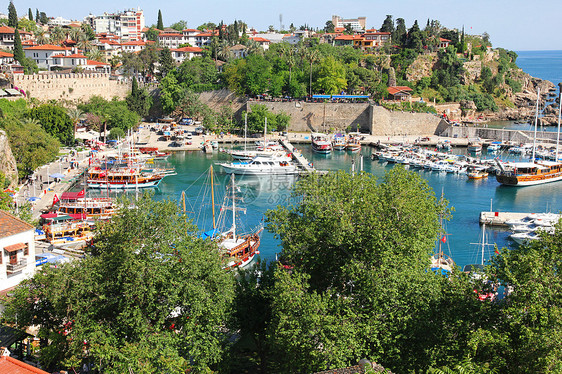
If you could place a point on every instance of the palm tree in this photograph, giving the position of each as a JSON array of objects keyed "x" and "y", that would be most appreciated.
[
  {"x": 57, "y": 35},
  {"x": 253, "y": 47},
  {"x": 312, "y": 56},
  {"x": 95, "y": 54},
  {"x": 40, "y": 37},
  {"x": 75, "y": 115},
  {"x": 84, "y": 43},
  {"x": 223, "y": 50},
  {"x": 75, "y": 34}
]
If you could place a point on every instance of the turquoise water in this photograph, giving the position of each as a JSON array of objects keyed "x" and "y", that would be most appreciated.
[{"x": 468, "y": 198}]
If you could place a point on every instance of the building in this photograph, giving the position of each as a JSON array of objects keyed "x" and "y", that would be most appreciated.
[
  {"x": 53, "y": 56},
  {"x": 6, "y": 58},
  {"x": 263, "y": 42},
  {"x": 373, "y": 39},
  {"x": 357, "y": 24},
  {"x": 43, "y": 54},
  {"x": 185, "y": 53},
  {"x": 133, "y": 46},
  {"x": 17, "y": 244},
  {"x": 128, "y": 25},
  {"x": 444, "y": 43},
  {"x": 9, "y": 365},
  {"x": 196, "y": 38},
  {"x": 238, "y": 51},
  {"x": 171, "y": 39},
  {"x": 59, "y": 21},
  {"x": 7, "y": 35},
  {"x": 400, "y": 92}
]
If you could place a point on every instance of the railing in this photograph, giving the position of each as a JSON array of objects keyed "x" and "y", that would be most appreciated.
[{"x": 12, "y": 268}]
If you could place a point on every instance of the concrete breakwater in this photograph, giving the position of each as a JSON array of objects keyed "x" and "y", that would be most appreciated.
[{"x": 516, "y": 136}]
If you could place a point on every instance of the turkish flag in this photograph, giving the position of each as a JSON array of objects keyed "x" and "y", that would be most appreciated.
[
  {"x": 55, "y": 199},
  {"x": 444, "y": 239},
  {"x": 82, "y": 193}
]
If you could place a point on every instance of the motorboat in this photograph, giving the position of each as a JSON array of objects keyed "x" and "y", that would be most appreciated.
[
  {"x": 321, "y": 143},
  {"x": 260, "y": 165}
]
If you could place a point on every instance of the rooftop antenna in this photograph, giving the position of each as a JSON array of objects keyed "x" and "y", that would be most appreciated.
[{"x": 281, "y": 27}]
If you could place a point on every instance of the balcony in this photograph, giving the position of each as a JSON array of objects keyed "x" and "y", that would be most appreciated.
[{"x": 12, "y": 268}]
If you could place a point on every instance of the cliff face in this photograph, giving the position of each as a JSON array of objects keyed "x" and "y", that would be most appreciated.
[{"x": 7, "y": 161}]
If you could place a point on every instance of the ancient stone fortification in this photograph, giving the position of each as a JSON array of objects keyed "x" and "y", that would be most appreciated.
[
  {"x": 71, "y": 86},
  {"x": 7, "y": 160},
  {"x": 369, "y": 118}
]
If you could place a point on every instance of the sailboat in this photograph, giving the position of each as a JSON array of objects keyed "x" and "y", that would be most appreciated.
[
  {"x": 268, "y": 149},
  {"x": 440, "y": 261},
  {"x": 520, "y": 174},
  {"x": 483, "y": 244},
  {"x": 237, "y": 249}
]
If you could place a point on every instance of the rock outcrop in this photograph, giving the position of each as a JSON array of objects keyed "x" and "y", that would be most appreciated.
[{"x": 7, "y": 161}]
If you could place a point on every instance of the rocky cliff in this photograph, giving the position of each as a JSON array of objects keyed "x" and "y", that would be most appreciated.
[{"x": 7, "y": 160}]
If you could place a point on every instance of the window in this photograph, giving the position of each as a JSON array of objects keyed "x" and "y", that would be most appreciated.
[
  {"x": 13, "y": 258},
  {"x": 26, "y": 250}
]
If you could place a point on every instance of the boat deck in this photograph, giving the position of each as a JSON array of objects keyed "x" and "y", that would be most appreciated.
[{"x": 500, "y": 218}]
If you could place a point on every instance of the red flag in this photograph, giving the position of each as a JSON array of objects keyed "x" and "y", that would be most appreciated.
[
  {"x": 444, "y": 239},
  {"x": 81, "y": 193},
  {"x": 497, "y": 252},
  {"x": 55, "y": 199}
]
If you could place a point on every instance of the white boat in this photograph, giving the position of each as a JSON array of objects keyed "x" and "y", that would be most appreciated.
[
  {"x": 494, "y": 147},
  {"x": 339, "y": 142},
  {"x": 261, "y": 166},
  {"x": 524, "y": 237},
  {"x": 321, "y": 143},
  {"x": 440, "y": 261}
]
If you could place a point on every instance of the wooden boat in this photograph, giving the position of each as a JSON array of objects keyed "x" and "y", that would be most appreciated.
[
  {"x": 520, "y": 174},
  {"x": 321, "y": 143},
  {"x": 353, "y": 144},
  {"x": 68, "y": 232},
  {"x": 339, "y": 142},
  {"x": 124, "y": 178},
  {"x": 477, "y": 174}
]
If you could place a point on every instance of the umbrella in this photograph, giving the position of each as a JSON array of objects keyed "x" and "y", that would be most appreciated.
[
  {"x": 33, "y": 198},
  {"x": 56, "y": 175}
]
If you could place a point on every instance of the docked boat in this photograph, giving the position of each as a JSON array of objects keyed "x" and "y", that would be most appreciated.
[
  {"x": 124, "y": 178},
  {"x": 353, "y": 144},
  {"x": 494, "y": 147},
  {"x": 261, "y": 166},
  {"x": 67, "y": 231},
  {"x": 474, "y": 146},
  {"x": 440, "y": 261},
  {"x": 520, "y": 174},
  {"x": 76, "y": 203},
  {"x": 477, "y": 174},
  {"x": 321, "y": 143},
  {"x": 339, "y": 142}
]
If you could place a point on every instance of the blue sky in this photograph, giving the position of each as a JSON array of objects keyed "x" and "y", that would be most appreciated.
[{"x": 515, "y": 24}]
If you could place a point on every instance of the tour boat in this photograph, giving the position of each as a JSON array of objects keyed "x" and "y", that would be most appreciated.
[
  {"x": 339, "y": 142},
  {"x": 321, "y": 143},
  {"x": 124, "y": 178},
  {"x": 67, "y": 232},
  {"x": 520, "y": 174},
  {"x": 440, "y": 261},
  {"x": 261, "y": 166},
  {"x": 474, "y": 146},
  {"x": 353, "y": 144},
  {"x": 477, "y": 174}
]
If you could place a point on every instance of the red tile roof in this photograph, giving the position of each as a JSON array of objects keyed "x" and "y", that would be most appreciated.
[
  {"x": 97, "y": 63},
  {"x": 396, "y": 89},
  {"x": 261, "y": 40},
  {"x": 11, "y": 30},
  {"x": 48, "y": 47},
  {"x": 74, "y": 55},
  {"x": 134, "y": 42},
  {"x": 5, "y": 54},
  {"x": 10, "y": 225},
  {"x": 9, "y": 365},
  {"x": 174, "y": 34},
  {"x": 209, "y": 34},
  {"x": 444, "y": 40},
  {"x": 188, "y": 49},
  {"x": 190, "y": 30}
]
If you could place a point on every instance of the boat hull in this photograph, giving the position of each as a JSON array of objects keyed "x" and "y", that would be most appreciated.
[
  {"x": 523, "y": 181},
  {"x": 122, "y": 186},
  {"x": 285, "y": 170}
]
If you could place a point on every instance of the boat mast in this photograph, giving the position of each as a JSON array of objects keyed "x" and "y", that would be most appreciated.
[
  {"x": 536, "y": 122},
  {"x": 245, "y": 129},
  {"x": 483, "y": 242},
  {"x": 233, "y": 211},
  {"x": 212, "y": 196},
  {"x": 559, "y": 115},
  {"x": 265, "y": 135}
]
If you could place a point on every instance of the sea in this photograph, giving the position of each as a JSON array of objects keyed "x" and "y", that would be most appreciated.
[{"x": 467, "y": 197}]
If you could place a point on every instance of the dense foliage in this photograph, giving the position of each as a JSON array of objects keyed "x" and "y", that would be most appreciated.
[
  {"x": 150, "y": 298},
  {"x": 114, "y": 113}
]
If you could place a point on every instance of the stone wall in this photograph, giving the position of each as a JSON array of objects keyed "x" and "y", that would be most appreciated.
[
  {"x": 385, "y": 122},
  {"x": 321, "y": 116},
  {"x": 7, "y": 161},
  {"x": 73, "y": 87}
]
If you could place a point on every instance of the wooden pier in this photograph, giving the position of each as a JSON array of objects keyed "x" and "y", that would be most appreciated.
[
  {"x": 499, "y": 218},
  {"x": 298, "y": 157}
]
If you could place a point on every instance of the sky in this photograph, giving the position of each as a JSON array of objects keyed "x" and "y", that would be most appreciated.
[{"x": 512, "y": 24}]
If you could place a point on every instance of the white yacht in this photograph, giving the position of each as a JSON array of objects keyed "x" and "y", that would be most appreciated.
[{"x": 260, "y": 165}]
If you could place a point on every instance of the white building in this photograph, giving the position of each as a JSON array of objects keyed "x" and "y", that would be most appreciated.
[
  {"x": 49, "y": 56},
  {"x": 17, "y": 246},
  {"x": 196, "y": 38},
  {"x": 59, "y": 21},
  {"x": 171, "y": 39},
  {"x": 357, "y": 24},
  {"x": 127, "y": 25},
  {"x": 185, "y": 53},
  {"x": 43, "y": 54},
  {"x": 263, "y": 42}
]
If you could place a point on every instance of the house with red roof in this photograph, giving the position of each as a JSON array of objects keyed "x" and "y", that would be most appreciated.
[
  {"x": 196, "y": 38},
  {"x": 185, "y": 53},
  {"x": 17, "y": 251},
  {"x": 400, "y": 92},
  {"x": 43, "y": 54},
  {"x": 444, "y": 43},
  {"x": 263, "y": 42},
  {"x": 6, "y": 58},
  {"x": 133, "y": 46},
  {"x": 7, "y": 35},
  {"x": 9, "y": 365},
  {"x": 171, "y": 39}
]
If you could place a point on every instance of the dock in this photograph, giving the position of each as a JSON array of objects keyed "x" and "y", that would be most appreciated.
[
  {"x": 499, "y": 218},
  {"x": 298, "y": 157}
]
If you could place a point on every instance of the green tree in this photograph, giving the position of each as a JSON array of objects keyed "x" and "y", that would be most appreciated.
[
  {"x": 399, "y": 36},
  {"x": 55, "y": 121},
  {"x": 37, "y": 19},
  {"x": 415, "y": 38},
  {"x": 30, "y": 15},
  {"x": 18, "y": 49},
  {"x": 160, "y": 23},
  {"x": 329, "y": 27},
  {"x": 179, "y": 26},
  {"x": 166, "y": 61},
  {"x": 43, "y": 18},
  {"x": 116, "y": 133},
  {"x": 387, "y": 25},
  {"x": 139, "y": 100},
  {"x": 331, "y": 76},
  {"x": 12, "y": 15},
  {"x": 152, "y": 34},
  {"x": 151, "y": 297}
]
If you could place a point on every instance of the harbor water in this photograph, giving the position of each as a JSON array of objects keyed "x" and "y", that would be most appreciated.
[{"x": 467, "y": 197}]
